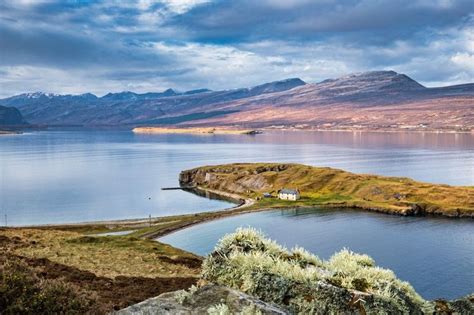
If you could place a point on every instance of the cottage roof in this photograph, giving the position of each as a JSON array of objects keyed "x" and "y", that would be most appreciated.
[{"x": 289, "y": 191}]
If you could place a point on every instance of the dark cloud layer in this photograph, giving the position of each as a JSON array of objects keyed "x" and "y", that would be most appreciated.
[
  {"x": 102, "y": 46},
  {"x": 225, "y": 21}
]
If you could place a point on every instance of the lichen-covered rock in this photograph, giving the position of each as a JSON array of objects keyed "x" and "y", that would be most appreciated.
[
  {"x": 209, "y": 299},
  {"x": 459, "y": 306}
]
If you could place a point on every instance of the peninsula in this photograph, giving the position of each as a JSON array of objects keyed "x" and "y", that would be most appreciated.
[
  {"x": 322, "y": 186},
  {"x": 204, "y": 131}
]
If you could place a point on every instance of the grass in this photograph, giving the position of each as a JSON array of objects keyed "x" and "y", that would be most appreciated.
[
  {"x": 333, "y": 187},
  {"x": 109, "y": 256},
  {"x": 22, "y": 291},
  {"x": 62, "y": 267}
]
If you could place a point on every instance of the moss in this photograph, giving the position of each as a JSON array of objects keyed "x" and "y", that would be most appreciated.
[
  {"x": 183, "y": 295},
  {"x": 251, "y": 309},
  {"x": 219, "y": 309}
]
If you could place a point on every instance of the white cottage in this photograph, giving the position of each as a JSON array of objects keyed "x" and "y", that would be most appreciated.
[{"x": 289, "y": 194}]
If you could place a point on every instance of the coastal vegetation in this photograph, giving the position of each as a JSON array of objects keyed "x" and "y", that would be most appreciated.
[
  {"x": 302, "y": 283},
  {"x": 99, "y": 273},
  {"x": 322, "y": 186},
  {"x": 22, "y": 291}
]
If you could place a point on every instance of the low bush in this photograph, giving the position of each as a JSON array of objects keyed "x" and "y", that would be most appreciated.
[
  {"x": 23, "y": 292},
  {"x": 301, "y": 282}
]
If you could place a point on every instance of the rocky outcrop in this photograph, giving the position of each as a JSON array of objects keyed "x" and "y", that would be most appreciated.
[{"x": 202, "y": 301}]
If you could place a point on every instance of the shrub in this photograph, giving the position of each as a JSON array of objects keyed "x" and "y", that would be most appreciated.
[
  {"x": 300, "y": 281},
  {"x": 23, "y": 292}
]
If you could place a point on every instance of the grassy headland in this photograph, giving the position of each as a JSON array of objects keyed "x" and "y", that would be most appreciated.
[
  {"x": 203, "y": 131},
  {"x": 333, "y": 187}
]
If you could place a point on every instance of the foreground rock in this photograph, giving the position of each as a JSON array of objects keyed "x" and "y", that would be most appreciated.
[
  {"x": 215, "y": 299},
  {"x": 204, "y": 300}
]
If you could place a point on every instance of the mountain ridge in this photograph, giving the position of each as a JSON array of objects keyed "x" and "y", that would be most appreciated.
[{"x": 374, "y": 99}]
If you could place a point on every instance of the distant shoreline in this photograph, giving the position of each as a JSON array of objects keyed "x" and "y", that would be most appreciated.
[
  {"x": 209, "y": 130},
  {"x": 374, "y": 130},
  {"x": 10, "y": 132},
  {"x": 203, "y": 130}
]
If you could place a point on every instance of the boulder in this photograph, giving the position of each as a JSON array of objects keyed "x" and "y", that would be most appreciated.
[{"x": 207, "y": 299}]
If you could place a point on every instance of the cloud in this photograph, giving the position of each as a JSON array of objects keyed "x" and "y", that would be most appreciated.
[
  {"x": 360, "y": 21},
  {"x": 150, "y": 45}
]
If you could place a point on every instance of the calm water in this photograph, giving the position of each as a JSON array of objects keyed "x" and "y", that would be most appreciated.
[
  {"x": 77, "y": 175},
  {"x": 434, "y": 254}
]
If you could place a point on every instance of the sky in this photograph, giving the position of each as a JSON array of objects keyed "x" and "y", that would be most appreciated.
[{"x": 73, "y": 47}]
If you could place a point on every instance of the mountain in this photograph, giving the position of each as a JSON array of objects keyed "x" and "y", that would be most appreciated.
[
  {"x": 131, "y": 108},
  {"x": 10, "y": 116},
  {"x": 130, "y": 96},
  {"x": 370, "y": 100}
]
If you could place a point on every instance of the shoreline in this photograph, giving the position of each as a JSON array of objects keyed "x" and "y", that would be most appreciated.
[
  {"x": 9, "y": 132},
  {"x": 238, "y": 131},
  {"x": 375, "y": 130},
  {"x": 180, "y": 222}
]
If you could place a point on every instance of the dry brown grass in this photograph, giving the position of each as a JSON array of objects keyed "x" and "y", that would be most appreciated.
[{"x": 110, "y": 256}]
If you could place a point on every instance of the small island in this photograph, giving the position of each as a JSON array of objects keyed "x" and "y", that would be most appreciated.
[
  {"x": 322, "y": 186},
  {"x": 200, "y": 131}
]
